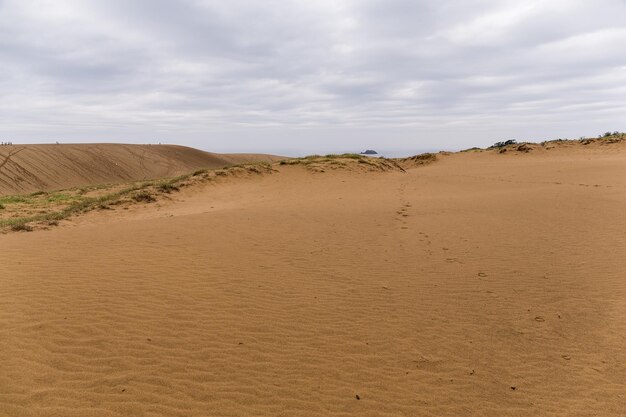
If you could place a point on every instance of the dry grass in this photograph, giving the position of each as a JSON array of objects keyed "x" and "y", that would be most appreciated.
[{"x": 43, "y": 209}]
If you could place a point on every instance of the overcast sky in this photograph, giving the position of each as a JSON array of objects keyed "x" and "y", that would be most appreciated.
[{"x": 298, "y": 77}]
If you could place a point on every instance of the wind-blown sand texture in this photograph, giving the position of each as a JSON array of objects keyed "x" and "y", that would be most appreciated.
[
  {"x": 482, "y": 284},
  {"x": 30, "y": 168}
]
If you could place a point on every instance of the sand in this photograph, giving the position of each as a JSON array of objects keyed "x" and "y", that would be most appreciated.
[
  {"x": 483, "y": 284},
  {"x": 31, "y": 168}
]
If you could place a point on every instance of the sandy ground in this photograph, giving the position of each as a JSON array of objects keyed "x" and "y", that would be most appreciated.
[
  {"x": 480, "y": 285},
  {"x": 31, "y": 168}
]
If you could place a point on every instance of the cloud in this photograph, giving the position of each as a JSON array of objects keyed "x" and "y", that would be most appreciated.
[{"x": 310, "y": 76}]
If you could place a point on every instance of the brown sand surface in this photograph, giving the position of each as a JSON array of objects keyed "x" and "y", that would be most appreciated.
[
  {"x": 30, "y": 168},
  {"x": 483, "y": 284}
]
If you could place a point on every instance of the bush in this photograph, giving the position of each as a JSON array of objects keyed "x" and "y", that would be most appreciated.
[
  {"x": 167, "y": 188},
  {"x": 144, "y": 196},
  {"x": 21, "y": 227},
  {"x": 504, "y": 143}
]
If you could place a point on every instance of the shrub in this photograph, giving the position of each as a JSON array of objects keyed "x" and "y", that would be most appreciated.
[
  {"x": 21, "y": 227},
  {"x": 144, "y": 196},
  {"x": 167, "y": 188},
  {"x": 504, "y": 143}
]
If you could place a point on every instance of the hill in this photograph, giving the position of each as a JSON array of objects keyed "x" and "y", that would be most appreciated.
[{"x": 30, "y": 168}]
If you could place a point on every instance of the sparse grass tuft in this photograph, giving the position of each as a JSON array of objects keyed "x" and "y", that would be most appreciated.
[
  {"x": 167, "y": 187},
  {"x": 14, "y": 199},
  {"x": 21, "y": 227},
  {"x": 59, "y": 197},
  {"x": 347, "y": 155},
  {"x": 143, "y": 196}
]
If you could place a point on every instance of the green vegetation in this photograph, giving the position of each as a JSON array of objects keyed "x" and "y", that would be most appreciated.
[
  {"x": 330, "y": 158},
  {"x": 48, "y": 208},
  {"x": 14, "y": 199},
  {"x": 347, "y": 155},
  {"x": 143, "y": 196},
  {"x": 21, "y": 227},
  {"x": 59, "y": 197},
  {"x": 504, "y": 143},
  {"x": 167, "y": 187}
]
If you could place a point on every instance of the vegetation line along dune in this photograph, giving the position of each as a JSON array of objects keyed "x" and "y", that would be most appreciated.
[
  {"x": 44, "y": 209},
  {"x": 32, "y": 168}
]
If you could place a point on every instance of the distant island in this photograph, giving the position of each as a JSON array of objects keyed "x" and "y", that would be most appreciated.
[{"x": 369, "y": 152}]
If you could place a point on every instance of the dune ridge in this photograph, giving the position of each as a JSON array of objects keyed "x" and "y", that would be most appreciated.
[{"x": 31, "y": 168}]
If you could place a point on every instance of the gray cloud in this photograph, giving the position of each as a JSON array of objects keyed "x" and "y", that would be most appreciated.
[{"x": 288, "y": 76}]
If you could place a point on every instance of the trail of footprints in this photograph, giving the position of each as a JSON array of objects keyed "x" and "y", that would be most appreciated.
[
  {"x": 402, "y": 215},
  {"x": 403, "y": 212}
]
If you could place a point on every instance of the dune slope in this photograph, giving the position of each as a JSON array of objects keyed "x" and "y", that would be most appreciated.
[
  {"x": 29, "y": 168},
  {"x": 483, "y": 284}
]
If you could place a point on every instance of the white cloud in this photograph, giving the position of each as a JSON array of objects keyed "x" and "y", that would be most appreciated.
[{"x": 310, "y": 76}]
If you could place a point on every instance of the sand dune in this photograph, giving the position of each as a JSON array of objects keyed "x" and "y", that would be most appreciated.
[
  {"x": 30, "y": 168},
  {"x": 484, "y": 284}
]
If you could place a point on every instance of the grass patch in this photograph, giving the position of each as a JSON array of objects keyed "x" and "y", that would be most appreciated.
[
  {"x": 167, "y": 187},
  {"x": 74, "y": 207},
  {"x": 61, "y": 205},
  {"x": 14, "y": 199},
  {"x": 59, "y": 197},
  {"x": 346, "y": 155},
  {"x": 312, "y": 159},
  {"x": 143, "y": 196},
  {"x": 21, "y": 227}
]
